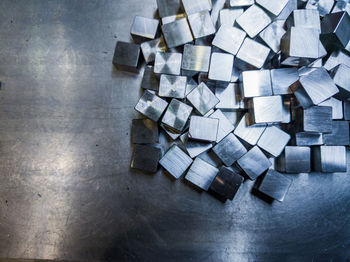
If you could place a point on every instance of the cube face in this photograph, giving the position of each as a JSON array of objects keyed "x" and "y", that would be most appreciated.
[
  {"x": 229, "y": 39},
  {"x": 273, "y": 140},
  {"x": 273, "y": 34},
  {"x": 202, "y": 99},
  {"x": 329, "y": 159},
  {"x": 318, "y": 119},
  {"x": 256, "y": 83},
  {"x": 282, "y": 79},
  {"x": 256, "y": 14},
  {"x": 176, "y": 115},
  {"x": 150, "y": 48},
  {"x": 267, "y": 109},
  {"x": 196, "y": 58},
  {"x": 309, "y": 139},
  {"x": 221, "y": 67},
  {"x": 339, "y": 135},
  {"x": 229, "y": 16},
  {"x": 177, "y": 33},
  {"x": 337, "y": 107},
  {"x": 341, "y": 77},
  {"x": 146, "y": 158},
  {"x": 151, "y": 106},
  {"x": 226, "y": 183},
  {"x": 229, "y": 97},
  {"x": 275, "y": 7},
  {"x": 295, "y": 159},
  {"x": 225, "y": 127},
  {"x": 168, "y": 63},
  {"x": 252, "y": 54},
  {"x": 127, "y": 57},
  {"x": 275, "y": 185},
  {"x": 203, "y": 128},
  {"x": 195, "y": 147},
  {"x": 169, "y": 7},
  {"x": 144, "y": 29},
  {"x": 144, "y": 131},
  {"x": 201, "y": 24},
  {"x": 149, "y": 79},
  {"x": 175, "y": 161},
  {"x": 254, "y": 163},
  {"x": 229, "y": 149},
  {"x": 249, "y": 134},
  {"x": 201, "y": 174},
  {"x": 307, "y": 18},
  {"x": 336, "y": 58},
  {"x": 192, "y": 7},
  {"x": 172, "y": 86}
]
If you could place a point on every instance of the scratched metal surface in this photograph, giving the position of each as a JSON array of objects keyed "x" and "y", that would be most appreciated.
[{"x": 66, "y": 191}]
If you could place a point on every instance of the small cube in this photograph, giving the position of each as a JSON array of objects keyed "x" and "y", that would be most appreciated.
[
  {"x": 229, "y": 39},
  {"x": 249, "y": 134},
  {"x": 127, "y": 57},
  {"x": 146, "y": 158},
  {"x": 275, "y": 7},
  {"x": 273, "y": 140},
  {"x": 229, "y": 16},
  {"x": 203, "y": 128},
  {"x": 144, "y": 131},
  {"x": 252, "y": 55},
  {"x": 202, "y": 98},
  {"x": 201, "y": 24},
  {"x": 176, "y": 115},
  {"x": 229, "y": 149},
  {"x": 339, "y": 135},
  {"x": 308, "y": 139},
  {"x": 266, "y": 109},
  {"x": 221, "y": 67},
  {"x": 307, "y": 18},
  {"x": 315, "y": 119},
  {"x": 192, "y": 7},
  {"x": 256, "y": 83},
  {"x": 177, "y": 33},
  {"x": 149, "y": 79},
  {"x": 172, "y": 86},
  {"x": 329, "y": 159},
  {"x": 225, "y": 126},
  {"x": 144, "y": 29},
  {"x": 169, "y": 7},
  {"x": 295, "y": 160},
  {"x": 273, "y": 34},
  {"x": 151, "y": 106},
  {"x": 282, "y": 79},
  {"x": 168, "y": 63},
  {"x": 150, "y": 48},
  {"x": 201, "y": 174},
  {"x": 196, "y": 58},
  {"x": 337, "y": 107},
  {"x": 229, "y": 97}
]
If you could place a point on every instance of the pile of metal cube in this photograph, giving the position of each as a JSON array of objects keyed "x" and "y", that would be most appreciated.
[{"x": 242, "y": 89}]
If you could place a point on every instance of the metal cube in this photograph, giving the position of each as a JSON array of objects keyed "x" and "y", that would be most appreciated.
[
  {"x": 273, "y": 34},
  {"x": 254, "y": 163},
  {"x": 275, "y": 185},
  {"x": 229, "y": 16},
  {"x": 175, "y": 161},
  {"x": 221, "y": 67},
  {"x": 249, "y": 134},
  {"x": 169, "y": 7},
  {"x": 341, "y": 77},
  {"x": 308, "y": 18},
  {"x": 273, "y": 140},
  {"x": 168, "y": 63},
  {"x": 315, "y": 119},
  {"x": 329, "y": 159},
  {"x": 275, "y": 7},
  {"x": 196, "y": 58},
  {"x": 339, "y": 136},
  {"x": 177, "y": 33},
  {"x": 150, "y": 48},
  {"x": 337, "y": 107},
  {"x": 251, "y": 55},
  {"x": 256, "y": 14},
  {"x": 176, "y": 115},
  {"x": 192, "y": 7},
  {"x": 294, "y": 160},
  {"x": 229, "y": 149},
  {"x": 201, "y": 24},
  {"x": 201, "y": 174},
  {"x": 127, "y": 57},
  {"x": 308, "y": 139},
  {"x": 229, "y": 39},
  {"x": 225, "y": 126},
  {"x": 282, "y": 79},
  {"x": 203, "y": 128},
  {"x": 151, "y": 106},
  {"x": 194, "y": 147},
  {"x": 144, "y": 131},
  {"x": 336, "y": 58},
  {"x": 144, "y": 29},
  {"x": 287, "y": 10},
  {"x": 229, "y": 97},
  {"x": 146, "y": 158},
  {"x": 202, "y": 98},
  {"x": 266, "y": 109},
  {"x": 149, "y": 79},
  {"x": 172, "y": 86},
  {"x": 191, "y": 84},
  {"x": 256, "y": 83},
  {"x": 226, "y": 183}
]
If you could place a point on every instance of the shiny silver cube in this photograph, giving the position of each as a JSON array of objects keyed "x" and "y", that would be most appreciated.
[{"x": 176, "y": 115}]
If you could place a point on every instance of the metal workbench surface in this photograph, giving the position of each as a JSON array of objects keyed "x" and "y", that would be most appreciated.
[{"x": 66, "y": 190}]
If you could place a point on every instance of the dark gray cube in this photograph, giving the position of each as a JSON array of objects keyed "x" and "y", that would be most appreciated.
[
  {"x": 144, "y": 131},
  {"x": 127, "y": 57},
  {"x": 315, "y": 119},
  {"x": 146, "y": 158},
  {"x": 149, "y": 79}
]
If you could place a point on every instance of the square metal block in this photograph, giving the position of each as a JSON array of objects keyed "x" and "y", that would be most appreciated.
[
  {"x": 127, "y": 57},
  {"x": 151, "y": 106},
  {"x": 201, "y": 174},
  {"x": 172, "y": 86},
  {"x": 339, "y": 136},
  {"x": 176, "y": 115},
  {"x": 168, "y": 63},
  {"x": 229, "y": 16},
  {"x": 144, "y": 131},
  {"x": 273, "y": 34},
  {"x": 253, "y": 20},
  {"x": 194, "y": 147},
  {"x": 273, "y": 140},
  {"x": 308, "y": 18},
  {"x": 308, "y": 139},
  {"x": 201, "y": 24},
  {"x": 229, "y": 97},
  {"x": 229, "y": 149},
  {"x": 335, "y": 31},
  {"x": 144, "y": 29},
  {"x": 146, "y": 158},
  {"x": 149, "y": 79},
  {"x": 256, "y": 83},
  {"x": 287, "y": 10},
  {"x": 192, "y": 7},
  {"x": 251, "y": 55},
  {"x": 282, "y": 79},
  {"x": 266, "y": 109},
  {"x": 203, "y": 128},
  {"x": 318, "y": 86},
  {"x": 275, "y": 185},
  {"x": 221, "y": 67},
  {"x": 336, "y": 58},
  {"x": 337, "y": 107},
  {"x": 241, "y": 3},
  {"x": 196, "y": 58},
  {"x": 249, "y": 134},
  {"x": 229, "y": 39},
  {"x": 226, "y": 183},
  {"x": 341, "y": 77},
  {"x": 150, "y": 48},
  {"x": 275, "y": 7},
  {"x": 169, "y": 7},
  {"x": 329, "y": 159},
  {"x": 294, "y": 160},
  {"x": 175, "y": 161},
  {"x": 225, "y": 126},
  {"x": 177, "y": 33},
  {"x": 316, "y": 119},
  {"x": 300, "y": 46},
  {"x": 254, "y": 163},
  {"x": 202, "y": 98}
]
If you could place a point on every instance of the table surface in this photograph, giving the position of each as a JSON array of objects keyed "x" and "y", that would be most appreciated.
[{"x": 66, "y": 190}]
